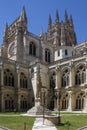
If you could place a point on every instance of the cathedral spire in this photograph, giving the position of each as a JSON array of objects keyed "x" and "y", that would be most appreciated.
[
  {"x": 50, "y": 22},
  {"x": 57, "y": 16},
  {"x": 5, "y": 33},
  {"x": 6, "y": 27},
  {"x": 42, "y": 34},
  {"x": 23, "y": 14},
  {"x": 66, "y": 16},
  {"x": 62, "y": 34},
  {"x": 71, "y": 20}
]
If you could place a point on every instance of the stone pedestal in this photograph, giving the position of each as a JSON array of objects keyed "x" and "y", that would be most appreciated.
[{"x": 38, "y": 109}]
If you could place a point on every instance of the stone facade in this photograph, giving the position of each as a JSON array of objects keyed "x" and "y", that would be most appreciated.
[{"x": 53, "y": 61}]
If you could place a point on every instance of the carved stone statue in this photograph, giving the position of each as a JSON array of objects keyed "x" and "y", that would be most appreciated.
[
  {"x": 39, "y": 84},
  {"x": 38, "y": 91}
]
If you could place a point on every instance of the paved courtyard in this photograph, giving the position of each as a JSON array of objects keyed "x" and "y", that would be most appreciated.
[{"x": 40, "y": 125}]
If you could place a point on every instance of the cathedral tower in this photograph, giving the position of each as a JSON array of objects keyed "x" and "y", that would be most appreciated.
[
  {"x": 13, "y": 43},
  {"x": 61, "y": 31}
]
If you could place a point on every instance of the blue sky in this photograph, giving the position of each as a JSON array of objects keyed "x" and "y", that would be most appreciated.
[{"x": 38, "y": 12}]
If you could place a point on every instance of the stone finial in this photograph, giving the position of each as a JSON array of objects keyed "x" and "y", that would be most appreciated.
[
  {"x": 23, "y": 14},
  {"x": 49, "y": 22},
  {"x": 6, "y": 27},
  {"x": 62, "y": 35},
  {"x": 66, "y": 16},
  {"x": 71, "y": 20},
  {"x": 42, "y": 34},
  {"x": 5, "y": 36},
  {"x": 57, "y": 17}
]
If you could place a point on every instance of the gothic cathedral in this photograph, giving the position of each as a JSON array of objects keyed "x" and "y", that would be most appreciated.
[{"x": 52, "y": 61}]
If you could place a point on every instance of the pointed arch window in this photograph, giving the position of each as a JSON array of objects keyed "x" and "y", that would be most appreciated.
[
  {"x": 80, "y": 76},
  {"x": 64, "y": 103},
  {"x": 8, "y": 78},
  {"x": 32, "y": 49},
  {"x": 80, "y": 102},
  {"x": 9, "y": 103},
  {"x": 52, "y": 81},
  {"x": 23, "y": 80},
  {"x": 23, "y": 103},
  {"x": 47, "y": 55},
  {"x": 65, "y": 78}
]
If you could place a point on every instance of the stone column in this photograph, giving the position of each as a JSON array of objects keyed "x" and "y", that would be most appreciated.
[
  {"x": 2, "y": 103},
  {"x": 17, "y": 85},
  {"x": 69, "y": 109},
  {"x": 18, "y": 76},
  {"x": 58, "y": 77},
  {"x": 29, "y": 80},
  {"x": 58, "y": 84},
  {"x": 56, "y": 87},
  {"x": 25, "y": 49},
  {"x": 72, "y": 75},
  {"x": 85, "y": 102},
  {"x": 2, "y": 84},
  {"x": 55, "y": 104},
  {"x": 2, "y": 74},
  {"x": 18, "y": 102}
]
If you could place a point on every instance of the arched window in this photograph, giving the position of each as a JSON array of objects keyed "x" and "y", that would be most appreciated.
[
  {"x": 65, "y": 78},
  {"x": 80, "y": 76},
  {"x": 23, "y": 81},
  {"x": 32, "y": 49},
  {"x": 52, "y": 81},
  {"x": 23, "y": 103},
  {"x": 80, "y": 101},
  {"x": 9, "y": 103},
  {"x": 47, "y": 55},
  {"x": 8, "y": 78},
  {"x": 65, "y": 102}
]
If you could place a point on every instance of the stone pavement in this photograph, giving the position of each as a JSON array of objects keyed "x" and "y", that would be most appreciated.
[
  {"x": 3, "y": 128},
  {"x": 83, "y": 128},
  {"x": 41, "y": 124}
]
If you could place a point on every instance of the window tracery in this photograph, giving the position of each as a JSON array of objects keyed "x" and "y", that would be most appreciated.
[
  {"x": 32, "y": 49},
  {"x": 52, "y": 80},
  {"x": 80, "y": 76},
  {"x": 23, "y": 103},
  {"x": 8, "y": 78},
  {"x": 47, "y": 55},
  {"x": 65, "y": 77},
  {"x": 80, "y": 101},
  {"x": 23, "y": 80}
]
